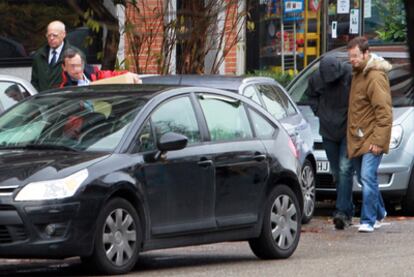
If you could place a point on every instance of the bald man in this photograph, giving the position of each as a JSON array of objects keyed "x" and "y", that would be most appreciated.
[{"x": 47, "y": 61}]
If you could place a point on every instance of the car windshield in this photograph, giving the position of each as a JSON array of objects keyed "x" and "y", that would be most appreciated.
[
  {"x": 69, "y": 123},
  {"x": 400, "y": 77}
]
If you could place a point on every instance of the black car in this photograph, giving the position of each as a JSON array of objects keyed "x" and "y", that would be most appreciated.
[
  {"x": 274, "y": 98},
  {"x": 105, "y": 172}
]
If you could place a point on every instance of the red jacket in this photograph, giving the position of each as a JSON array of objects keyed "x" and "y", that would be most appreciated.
[{"x": 92, "y": 73}]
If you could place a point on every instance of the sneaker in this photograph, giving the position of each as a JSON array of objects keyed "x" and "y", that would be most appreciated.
[
  {"x": 366, "y": 228},
  {"x": 339, "y": 221},
  {"x": 378, "y": 223}
]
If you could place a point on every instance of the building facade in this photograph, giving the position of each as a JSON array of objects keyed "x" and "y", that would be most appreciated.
[{"x": 220, "y": 36}]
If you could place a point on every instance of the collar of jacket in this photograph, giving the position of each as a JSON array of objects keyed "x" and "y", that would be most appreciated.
[
  {"x": 46, "y": 48},
  {"x": 376, "y": 62}
]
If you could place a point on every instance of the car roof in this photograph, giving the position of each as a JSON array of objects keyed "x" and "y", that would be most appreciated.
[
  {"x": 225, "y": 82},
  {"x": 124, "y": 89},
  {"x": 146, "y": 91}
]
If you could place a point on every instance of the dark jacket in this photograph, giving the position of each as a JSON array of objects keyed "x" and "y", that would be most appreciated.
[
  {"x": 328, "y": 93},
  {"x": 45, "y": 76},
  {"x": 370, "y": 110}
]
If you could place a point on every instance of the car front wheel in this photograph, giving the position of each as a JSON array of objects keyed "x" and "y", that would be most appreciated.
[
  {"x": 281, "y": 225},
  {"x": 117, "y": 240}
]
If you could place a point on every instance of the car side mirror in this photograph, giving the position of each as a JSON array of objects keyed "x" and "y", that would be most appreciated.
[{"x": 172, "y": 141}]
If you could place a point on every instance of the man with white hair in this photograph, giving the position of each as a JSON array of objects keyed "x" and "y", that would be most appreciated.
[{"x": 47, "y": 61}]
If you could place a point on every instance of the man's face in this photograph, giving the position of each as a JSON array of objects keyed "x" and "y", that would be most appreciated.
[
  {"x": 356, "y": 57},
  {"x": 55, "y": 36},
  {"x": 74, "y": 67},
  {"x": 15, "y": 95}
]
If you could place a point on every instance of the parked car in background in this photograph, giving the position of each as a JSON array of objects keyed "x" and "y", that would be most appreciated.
[
  {"x": 395, "y": 173},
  {"x": 12, "y": 90},
  {"x": 104, "y": 172},
  {"x": 274, "y": 98}
]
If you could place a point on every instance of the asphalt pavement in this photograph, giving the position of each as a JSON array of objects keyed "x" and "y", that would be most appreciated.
[{"x": 322, "y": 251}]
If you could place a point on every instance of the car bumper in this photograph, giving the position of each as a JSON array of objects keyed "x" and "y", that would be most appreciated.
[
  {"x": 46, "y": 230},
  {"x": 393, "y": 175}
]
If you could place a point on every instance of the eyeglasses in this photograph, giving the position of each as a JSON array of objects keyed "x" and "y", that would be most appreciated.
[
  {"x": 52, "y": 35},
  {"x": 355, "y": 55}
]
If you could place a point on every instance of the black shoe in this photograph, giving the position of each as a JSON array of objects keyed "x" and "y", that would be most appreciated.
[{"x": 340, "y": 221}]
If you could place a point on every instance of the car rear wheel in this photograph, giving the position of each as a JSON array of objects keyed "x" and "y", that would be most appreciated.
[
  {"x": 308, "y": 190},
  {"x": 118, "y": 238},
  {"x": 281, "y": 225}
]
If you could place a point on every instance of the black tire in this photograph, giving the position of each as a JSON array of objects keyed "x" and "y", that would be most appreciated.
[
  {"x": 309, "y": 191},
  {"x": 118, "y": 228},
  {"x": 408, "y": 200},
  {"x": 282, "y": 218}
]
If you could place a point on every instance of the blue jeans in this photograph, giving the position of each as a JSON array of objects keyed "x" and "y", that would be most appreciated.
[
  {"x": 373, "y": 207},
  {"x": 342, "y": 170}
]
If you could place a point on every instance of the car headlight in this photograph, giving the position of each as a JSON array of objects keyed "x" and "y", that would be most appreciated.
[
  {"x": 53, "y": 189},
  {"x": 396, "y": 136}
]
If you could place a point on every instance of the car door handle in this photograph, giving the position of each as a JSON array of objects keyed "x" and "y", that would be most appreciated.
[
  {"x": 205, "y": 163},
  {"x": 260, "y": 157}
]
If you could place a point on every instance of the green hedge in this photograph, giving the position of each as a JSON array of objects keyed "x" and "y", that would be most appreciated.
[{"x": 282, "y": 78}]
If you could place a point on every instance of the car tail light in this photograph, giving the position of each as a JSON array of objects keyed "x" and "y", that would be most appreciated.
[{"x": 292, "y": 147}]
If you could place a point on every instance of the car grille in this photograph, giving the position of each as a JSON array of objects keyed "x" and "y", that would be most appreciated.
[
  {"x": 7, "y": 190},
  {"x": 325, "y": 181},
  {"x": 11, "y": 232}
]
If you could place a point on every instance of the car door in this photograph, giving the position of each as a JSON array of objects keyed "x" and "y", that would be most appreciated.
[
  {"x": 179, "y": 186},
  {"x": 240, "y": 160}
]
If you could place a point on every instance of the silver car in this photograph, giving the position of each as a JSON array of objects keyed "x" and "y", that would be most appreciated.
[
  {"x": 395, "y": 173},
  {"x": 274, "y": 98},
  {"x": 12, "y": 90}
]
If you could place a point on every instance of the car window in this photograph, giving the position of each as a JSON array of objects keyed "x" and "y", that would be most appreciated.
[
  {"x": 297, "y": 90},
  {"x": 263, "y": 128},
  {"x": 273, "y": 103},
  {"x": 226, "y": 119},
  {"x": 250, "y": 92},
  {"x": 402, "y": 87},
  {"x": 177, "y": 116},
  {"x": 285, "y": 101},
  {"x": 11, "y": 93},
  {"x": 82, "y": 123},
  {"x": 146, "y": 141}
]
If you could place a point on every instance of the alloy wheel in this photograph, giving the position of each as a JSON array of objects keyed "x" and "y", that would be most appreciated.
[
  {"x": 308, "y": 190},
  {"x": 284, "y": 221},
  {"x": 119, "y": 237}
]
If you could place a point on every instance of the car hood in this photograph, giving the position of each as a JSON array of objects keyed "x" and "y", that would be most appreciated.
[
  {"x": 399, "y": 114},
  {"x": 19, "y": 167}
]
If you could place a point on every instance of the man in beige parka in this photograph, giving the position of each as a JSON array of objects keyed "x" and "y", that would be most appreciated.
[{"x": 369, "y": 126}]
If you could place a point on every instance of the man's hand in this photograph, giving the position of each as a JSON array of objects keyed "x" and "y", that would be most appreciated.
[
  {"x": 135, "y": 78},
  {"x": 375, "y": 149}
]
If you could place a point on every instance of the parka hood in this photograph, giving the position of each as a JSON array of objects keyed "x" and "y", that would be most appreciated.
[
  {"x": 330, "y": 69},
  {"x": 376, "y": 62}
]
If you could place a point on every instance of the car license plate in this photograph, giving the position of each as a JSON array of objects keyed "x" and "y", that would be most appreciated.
[{"x": 323, "y": 167}]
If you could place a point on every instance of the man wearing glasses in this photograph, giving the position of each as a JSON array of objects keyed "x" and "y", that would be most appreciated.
[{"x": 47, "y": 61}]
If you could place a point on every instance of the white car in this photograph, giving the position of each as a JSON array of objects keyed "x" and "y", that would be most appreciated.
[
  {"x": 12, "y": 90},
  {"x": 396, "y": 170}
]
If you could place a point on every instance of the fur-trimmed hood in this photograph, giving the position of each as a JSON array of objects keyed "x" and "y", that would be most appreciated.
[{"x": 376, "y": 62}]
